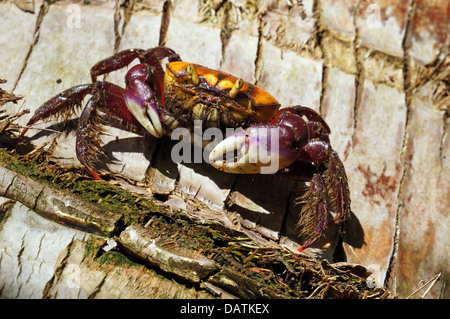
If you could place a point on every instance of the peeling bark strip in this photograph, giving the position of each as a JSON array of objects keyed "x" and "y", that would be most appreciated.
[
  {"x": 165, "y": 254},
  {"x": 85, "y": 271},
  {"x": 59, "y": 206}
]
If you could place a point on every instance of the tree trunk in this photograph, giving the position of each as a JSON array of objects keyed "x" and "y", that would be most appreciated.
[{"x": 377, "y": 71}]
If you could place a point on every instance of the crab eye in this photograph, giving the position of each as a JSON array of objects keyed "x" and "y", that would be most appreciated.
[
  {"x": 237, "y": 86},
  {"x": 193, "y": 73}
]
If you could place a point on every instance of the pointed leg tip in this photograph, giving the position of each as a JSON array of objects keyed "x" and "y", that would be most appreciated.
[
  {"x": 25, "y": 130},
  {"x": 95, "y": 175},
  {"x": 90, "y": 170}
]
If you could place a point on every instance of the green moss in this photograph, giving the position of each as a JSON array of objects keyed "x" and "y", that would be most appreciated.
[
  {"x": 114, "y": 258},
  {"x": 29, "y": 169},
  {"x": 93, "y": 246},
  {"x": 110, "y": 197},
  {"x": 94, "y": 251}
]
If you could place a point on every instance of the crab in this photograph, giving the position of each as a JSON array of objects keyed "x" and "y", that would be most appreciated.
[{"x": 160, "y": 101}]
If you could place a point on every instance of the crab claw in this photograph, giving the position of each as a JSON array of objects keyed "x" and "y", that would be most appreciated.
[
  {"x": 142, "y": 104},
  {"x": 260, "y": 149}
]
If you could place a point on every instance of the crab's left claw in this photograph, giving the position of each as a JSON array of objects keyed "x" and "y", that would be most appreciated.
[
  {"x": 260, "y": 149},
  {"x": 142, "y": 103}
]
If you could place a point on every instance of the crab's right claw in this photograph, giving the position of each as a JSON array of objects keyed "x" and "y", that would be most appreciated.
[
  {"x": 260, "y": 149},
  {"x": 141, "y": 102}
]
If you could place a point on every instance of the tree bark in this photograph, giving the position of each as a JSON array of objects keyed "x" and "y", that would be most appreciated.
[{"x": 377, "y": 71}]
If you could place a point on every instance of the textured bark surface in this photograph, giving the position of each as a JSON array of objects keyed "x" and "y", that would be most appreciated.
[{"x": 377, "y": 71}]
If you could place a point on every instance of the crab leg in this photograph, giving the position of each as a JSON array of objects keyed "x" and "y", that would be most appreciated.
[
  {"x": 59, "y": 104},
  {"x": 150, "y": 58},
  {"x": 115, "y": 62},
  {"x": 124, "y": 58},
  {"x": 317, "y": 125},
  {"x": 63, "y": 103},
  {"x": 333, "y": 194},
  {"x": 313, "y": 217},
  {"x": 337, "y": 185},
  {"x": 88, "y": 141},
  {"x": 106, "y": 97}
]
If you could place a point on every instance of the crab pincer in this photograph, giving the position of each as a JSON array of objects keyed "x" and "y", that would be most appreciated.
[
  {"x": 262, "y": 148},
  {"x": 141, "y": 101}
]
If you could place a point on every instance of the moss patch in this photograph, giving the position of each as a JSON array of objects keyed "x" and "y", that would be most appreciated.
[{"x": 101, "y": 193}]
